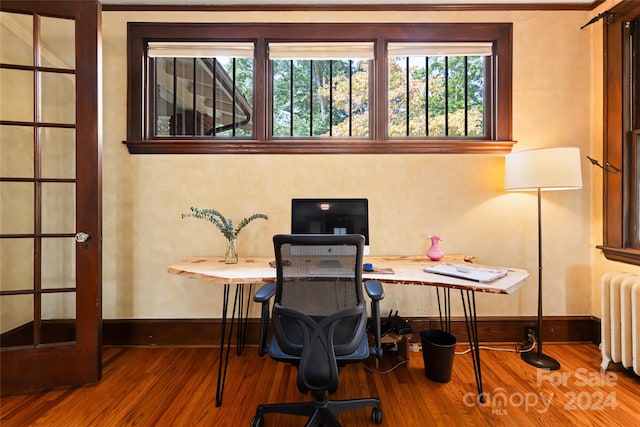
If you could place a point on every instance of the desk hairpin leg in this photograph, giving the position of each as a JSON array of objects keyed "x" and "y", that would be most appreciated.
[
  {"x": 242, "y": 324},
  {"x": 219, "y": 385},
  {"x": 445, "y": 323},
  {"x": 471, "y": 321},
  {"x": 241, "y": 333}
]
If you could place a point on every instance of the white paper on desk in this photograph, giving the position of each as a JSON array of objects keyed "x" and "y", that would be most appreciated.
[{"x": 477, "y": 274}]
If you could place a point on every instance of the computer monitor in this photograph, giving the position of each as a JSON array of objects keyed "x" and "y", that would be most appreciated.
[{"x": 331, "y": 216}]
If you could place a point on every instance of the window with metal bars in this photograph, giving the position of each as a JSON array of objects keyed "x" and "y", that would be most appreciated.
[
  {"x": 319, "y": 88},
  {"x": 320, "y": 98},
  {"x": 202, "y": 89},
  {"x": 438, "y": 89}
]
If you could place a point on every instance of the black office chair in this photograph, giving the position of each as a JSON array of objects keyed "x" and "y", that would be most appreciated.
[{"x": 319, "y": 321}]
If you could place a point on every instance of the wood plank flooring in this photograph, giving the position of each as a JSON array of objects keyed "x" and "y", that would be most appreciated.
[{"x": 152, "y": 386}]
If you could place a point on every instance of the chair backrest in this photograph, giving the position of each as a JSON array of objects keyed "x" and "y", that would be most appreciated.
[{"x": 319, "y": 312}]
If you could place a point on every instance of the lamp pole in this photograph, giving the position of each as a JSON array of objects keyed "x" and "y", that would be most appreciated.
[{"x": 537, "y": 358}]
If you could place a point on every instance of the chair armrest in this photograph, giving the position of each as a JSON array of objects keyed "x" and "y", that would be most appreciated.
[
  {"x": 374, "y": 289},
  {"x": 263, "y": 296},
  {"x": 265, "y": 293},
  {"x": 376, "y": 293}
]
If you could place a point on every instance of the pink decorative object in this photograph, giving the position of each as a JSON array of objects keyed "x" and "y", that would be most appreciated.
[{"x": 434, "y": 252}]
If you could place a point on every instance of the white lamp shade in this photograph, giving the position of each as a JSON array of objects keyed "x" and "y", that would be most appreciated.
[{"x": 556, "y": 168}]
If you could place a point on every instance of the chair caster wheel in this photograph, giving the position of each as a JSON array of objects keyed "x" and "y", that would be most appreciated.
[
  {"x": 257, "y": 421},
  {"x": 376, "y": 415}
]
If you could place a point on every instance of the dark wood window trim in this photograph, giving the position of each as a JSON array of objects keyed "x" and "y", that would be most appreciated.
[
  {"x": 381, "y": 7},
  {"x": 618, "y": 133},
  {"x": 140, "y": 33}
]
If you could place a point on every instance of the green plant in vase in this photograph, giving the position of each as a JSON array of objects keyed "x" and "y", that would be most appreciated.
[{"x": 225, "y": 226}]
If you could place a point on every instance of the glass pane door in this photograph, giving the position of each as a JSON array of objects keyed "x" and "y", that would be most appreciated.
[
  {"x": 38, "y": 179},
  {"x": 49, "y": 131}
]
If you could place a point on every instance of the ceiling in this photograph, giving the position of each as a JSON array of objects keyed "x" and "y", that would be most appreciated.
[{"x": 568, "y": 3}]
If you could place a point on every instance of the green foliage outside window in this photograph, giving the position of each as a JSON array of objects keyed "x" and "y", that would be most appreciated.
[
  {"x": 318, "y": 99},
  {"x": 317, "y": 92},
  {"x": 330, "y": 98},
  {"x": 443, "y": 101}
]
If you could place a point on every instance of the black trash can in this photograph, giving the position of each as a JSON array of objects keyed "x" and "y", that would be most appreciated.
[{"x": 438, "y": 349}]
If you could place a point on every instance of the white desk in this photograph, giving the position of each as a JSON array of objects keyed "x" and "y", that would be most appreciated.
[{"x": 407, "y": 270}]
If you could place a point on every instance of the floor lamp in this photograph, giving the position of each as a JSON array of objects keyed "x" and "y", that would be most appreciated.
[{"x": 556, "y": 168}]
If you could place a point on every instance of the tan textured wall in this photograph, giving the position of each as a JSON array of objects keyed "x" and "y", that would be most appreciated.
[{"x": 410, "y": 196}]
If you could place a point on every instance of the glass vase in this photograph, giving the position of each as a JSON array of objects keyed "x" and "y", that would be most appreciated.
[
  {"x": 231, "y": 255},
  {"x": 434, "y": 252}
]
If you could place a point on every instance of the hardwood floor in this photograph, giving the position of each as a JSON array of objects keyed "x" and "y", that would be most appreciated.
[{"x": 152, "y": 386}]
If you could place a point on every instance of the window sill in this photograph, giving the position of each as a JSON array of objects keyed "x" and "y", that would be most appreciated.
[
  {"x": 192, "y": 146},
  {"x": 626, "y": 255}
]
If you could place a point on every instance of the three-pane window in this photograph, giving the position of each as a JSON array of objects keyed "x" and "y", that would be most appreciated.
[{"x": 319, "y": 88}]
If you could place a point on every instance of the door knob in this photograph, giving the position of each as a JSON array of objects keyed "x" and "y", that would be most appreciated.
[{"x": 82, "y": 237}]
